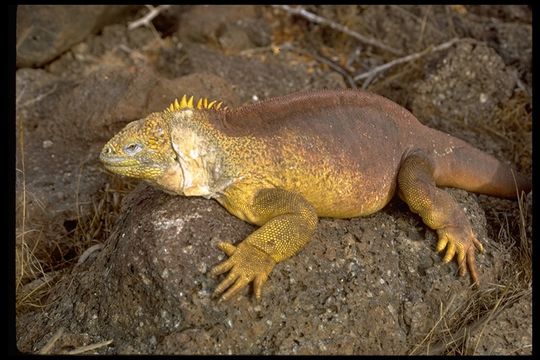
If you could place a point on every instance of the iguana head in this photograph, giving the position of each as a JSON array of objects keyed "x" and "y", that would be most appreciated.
[
  {"x": 160, "y": 148},
  {"x": 141, "y": 150}
]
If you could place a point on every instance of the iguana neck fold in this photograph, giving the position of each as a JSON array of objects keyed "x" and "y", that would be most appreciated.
[{"x": 199, "y": 156}]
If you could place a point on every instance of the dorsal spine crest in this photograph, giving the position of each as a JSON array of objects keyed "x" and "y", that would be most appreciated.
[{"x": 202, "y": 103}]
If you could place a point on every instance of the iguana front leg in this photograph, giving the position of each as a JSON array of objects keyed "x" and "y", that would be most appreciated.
[
  {"x": 416, "y": 180},
  {"x": 288, "y": 222}
]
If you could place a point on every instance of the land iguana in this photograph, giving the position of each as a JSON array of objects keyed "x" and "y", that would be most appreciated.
[{"x": 283, "y": 163}]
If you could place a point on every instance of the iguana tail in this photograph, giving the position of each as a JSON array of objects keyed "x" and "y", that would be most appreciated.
[{"x": 465, "y": 167}]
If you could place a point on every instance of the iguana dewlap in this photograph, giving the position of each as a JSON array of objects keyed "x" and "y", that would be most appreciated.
[{"x": 283, "y": 163}]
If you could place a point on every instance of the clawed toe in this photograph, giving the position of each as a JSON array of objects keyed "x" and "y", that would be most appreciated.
[
  {"x": 246, "y": 264},
  {"x": 460, "y": 244}
]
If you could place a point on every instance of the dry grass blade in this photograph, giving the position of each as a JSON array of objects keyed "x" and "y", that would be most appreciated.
[
  {"x": 463, "y": 323},
  {"x": 495, "y": 311},
  {"x": 23, "y": 205},
  {"x": 525, "y": 248},
  {"x": 28, "y": 265},
  {"x": 442, "y": 312},
  {"x": 31, "y": 295}
]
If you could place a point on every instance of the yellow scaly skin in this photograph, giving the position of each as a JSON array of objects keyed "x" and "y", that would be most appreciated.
[{"x": 283, "y": 163}]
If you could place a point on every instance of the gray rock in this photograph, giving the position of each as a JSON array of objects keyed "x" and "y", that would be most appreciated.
[
  {"x": 46, "y": 31},
  {"x": 215, "y": 24},
  {"x": 343, "y": 294},
  {"x": 471, "y": 80}
]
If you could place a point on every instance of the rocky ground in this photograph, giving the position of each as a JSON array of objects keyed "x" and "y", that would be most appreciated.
[{"x": 110, "y": 266}]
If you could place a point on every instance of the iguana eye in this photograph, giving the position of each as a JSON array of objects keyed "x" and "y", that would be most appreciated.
[{"x": 132, "y": 149}]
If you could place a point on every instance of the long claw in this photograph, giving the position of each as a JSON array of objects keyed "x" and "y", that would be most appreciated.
[
  {"x": 478, "y": 244},
  {"x": 461, "y": 262},
  {"x": 450, "y": 252},
  {"x": 228, "y": 248},
  {"x": 441, "y": 244},
  {"x": 471, "y": 263},
  {"x": 229, "y": 280},
  {"x": 233, "y": 290},
  {"x": 257, "y": 286},
  {"x": 223, "y": 267}
]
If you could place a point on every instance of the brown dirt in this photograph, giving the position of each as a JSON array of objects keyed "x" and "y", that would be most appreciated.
[{"x": 370, "y": 285}]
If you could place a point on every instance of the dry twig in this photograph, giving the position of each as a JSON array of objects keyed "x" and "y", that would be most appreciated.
[
  {"x": 34, "y": 100},
  {"x": 416, "y": 18},
  {"x": 86, "y": 254},
  {"x": 289, "y": 47},
  {"x": 334, "y": 25},
  {"x": 411, "y": 57},
  {"x": 324, "y": 60},
  {"x": 146, "y": 20},
  {"x": 48, "y": 346},
  {"x": 90, "y": 347},
  {"x": 336, "y": 67}
]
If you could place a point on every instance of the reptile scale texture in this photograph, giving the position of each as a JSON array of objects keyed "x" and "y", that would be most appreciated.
[{"x": 284, "y": 162}]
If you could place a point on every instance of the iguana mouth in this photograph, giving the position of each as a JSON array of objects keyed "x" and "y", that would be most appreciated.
[
  {"x": 112, "y": 160},
  {"x": 116, "y": 165}
]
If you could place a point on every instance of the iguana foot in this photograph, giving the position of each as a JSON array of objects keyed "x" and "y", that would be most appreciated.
[
  {"x": 460, "y": 241},
  {"x": 246, "y": 264}
]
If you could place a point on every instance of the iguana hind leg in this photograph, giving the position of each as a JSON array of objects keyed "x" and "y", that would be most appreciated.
[
  {"x": 439, "y": 211},
  {"x": 288, "y": 222}
]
